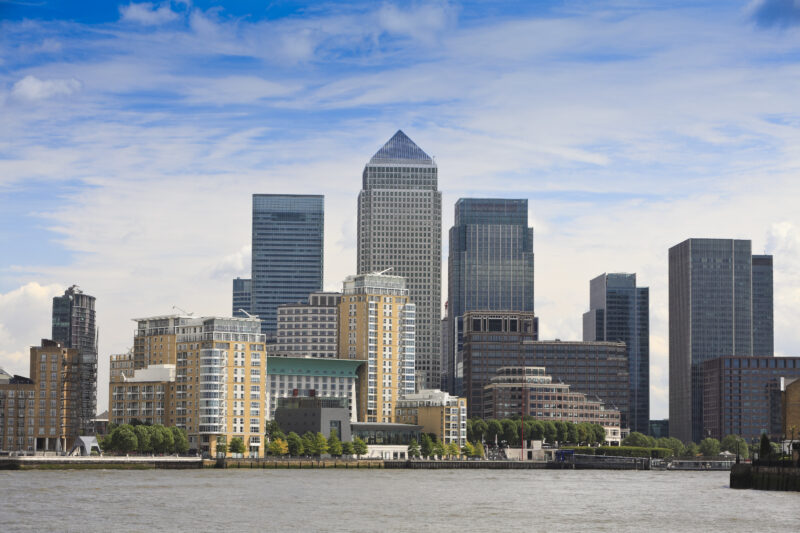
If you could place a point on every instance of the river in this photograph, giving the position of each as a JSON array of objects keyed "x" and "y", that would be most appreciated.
[{"x": 388, "y": 500}]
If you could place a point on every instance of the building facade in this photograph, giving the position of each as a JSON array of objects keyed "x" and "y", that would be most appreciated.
[
  {"x": 763, "y": 304},
  {"x": 119, "y": 364},
  {"x": 296, "y": 377},
  {"x": 315, "y": 414},
  {"x": 310, "y": 328},
  {"x": 437, "y": 412},
  {"x": 790, "y": 407},
  {"x": 287, "y": 256},
  {"x": 400, "y": 228},
  {"x": 146, "y": 395},
  {"x": 220, "y": 376},
  {"x": 42, "y": 413},
  {"x": 377, "y": 325},
  {"x": 507, "y": 339},
  {"x": 490, "y": 268},
  {"x": 619, "y": 312},
  {"x": 742, "y": 395},
  {"x": 74, "y": 326},
  {"x": 242, "y": 296},
  {"x": 711, "y": 302}
]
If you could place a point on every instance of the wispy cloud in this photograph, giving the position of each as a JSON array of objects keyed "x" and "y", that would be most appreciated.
[
  {"x": 147, "y": 13},
  {"x": 780, "y": 13},
  {"x": 31, "y": 88}
]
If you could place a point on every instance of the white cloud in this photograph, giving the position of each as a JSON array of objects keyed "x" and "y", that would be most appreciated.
[
  {"x": 31, "y": 88},
  {"x": 147, "y": 13}
]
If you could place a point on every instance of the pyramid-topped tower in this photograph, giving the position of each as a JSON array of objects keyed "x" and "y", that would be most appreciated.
[{"x": 400, "y": 149}]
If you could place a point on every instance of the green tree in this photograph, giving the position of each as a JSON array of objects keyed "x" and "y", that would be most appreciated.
[
  {"x": 550, "y": 431},
  {"x": 167, "y": 440},
  {"x": 537, "y": 430},
  {"x": 494, "y": 431},
  {"x": 142, "y": 439},
  {"x": 156, "y": 438},
  {"x": 470, "y": 429},
  {"x": 562, "y": 433},
  {"x": 734, "y": 444},
  {"x": 180, "y": 443},
  {"x": 308, "y": 442},
  {"x": 453, "y": 450},
  {"x": 638, "y": 439},
  {"x": 691, "y": 450},
  {"x": 573, "y": 434},
  {"x": 334, "y": 444},
  {"x": 222, "y": 448},
  {"x": 426, "y": 448},
  {"x": 295, "y": 444},
  {"x": 413, "y": 449},
  {"x": 236, "y": 445},
  {"x": 319, "y": 445},
  {"x": 673, "y": 444},
  {"x": 510, "y": 431},
  {"x": 359, "y": 447},
  {"x": 439, "y": 449},
  {"x": 479, "y": 451},
  {"x": 599, "y": 433},
  {"x": 709, "y": 447},
  {"x": 468, "y": 450},
  {"x": 273, "y": 430},
  {"x": 278, "y": 447},
  {"x": 764, "y": 450},
  {"x": 123, "y": 439},
  {"x": 347, "y": 449}
]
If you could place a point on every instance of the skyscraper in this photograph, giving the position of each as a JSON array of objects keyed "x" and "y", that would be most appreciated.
[
  {"x": 400, "y": 228},
  {"x": 242, "y": 296},
  {"x": 490, "y": 268},
  {"x": 763, "y": 326},
  {"x": 74, "y": 327},
  {"x": 712, "y": 296},
  {"x": 288, "y": 235},
  {"x": 619, "y": 312}
]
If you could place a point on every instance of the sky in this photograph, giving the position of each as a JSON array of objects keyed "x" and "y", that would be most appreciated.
[{"x": 132, "y": 136}]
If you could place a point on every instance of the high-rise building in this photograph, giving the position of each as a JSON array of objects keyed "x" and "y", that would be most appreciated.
[
  {"x": 206, "y": 375},
  {"x": 74, "y": 327},
  {"x": 400, "y": 228},
  {"x": 490, "y": 268},
  {"x": 309, "y": 328},
  {"x": 377, "y": 325},
  {"x": 712, "y": 296},
  {"x": 287, "y": 257},
  {"x": 619, "y": 312},
  {"x": 763, "y": 305},
  {"x": 242, "y": 296}
]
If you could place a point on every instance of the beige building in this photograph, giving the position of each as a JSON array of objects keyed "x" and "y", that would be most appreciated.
[
  {"x": 219, "y": 387},
  {"x": 376, "y": 325},
  {"x": 437, "y": 412},
  {"x": 790, "y": 399},
  {"x": 146, "y": 395},
  {"x": 40, "y": 413},
  {"x": 121, "y": 364}
]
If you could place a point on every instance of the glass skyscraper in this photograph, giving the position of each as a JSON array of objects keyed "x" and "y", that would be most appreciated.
[
  {"x": 400, "y": 228},
  {"x": 490, "y": 268},
  {"x": 619, "y": 312},
  {"x": 713, "y": 300},
  {"x": 74, "y": 326},
  {"x": 287, "y": 261}
]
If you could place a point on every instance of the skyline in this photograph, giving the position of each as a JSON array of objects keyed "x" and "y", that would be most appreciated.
[{"x": 134, "y": 137}]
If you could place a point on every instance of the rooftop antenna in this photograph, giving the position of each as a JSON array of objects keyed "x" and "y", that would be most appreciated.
[{"x": 184, "y": 311}]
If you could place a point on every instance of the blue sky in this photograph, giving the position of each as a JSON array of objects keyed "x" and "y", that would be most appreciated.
[{"x": 133, "y": 135}]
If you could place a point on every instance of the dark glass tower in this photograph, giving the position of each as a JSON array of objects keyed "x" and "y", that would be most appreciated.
[
  {"x": 490, "y": 268},
  {"x": 619, "y": 312},
  {"x": 74, "y": 327},
  {"x": 400, "y": 228},
  {"x": 763, "y": 326},
  {"x": 242, "y": 296},
  {"x": 288, "y": 234},
  {"x": 713, "y": 294}
]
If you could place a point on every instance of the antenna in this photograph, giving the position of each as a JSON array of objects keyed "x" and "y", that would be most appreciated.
[
  {"x": 248, "y": 314},
  {"x": 184, "y": 311}
]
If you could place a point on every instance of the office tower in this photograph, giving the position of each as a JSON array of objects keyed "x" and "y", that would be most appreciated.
[
  {"x": 55, "y": 371},
  {"x": 742, "y": 395},
  {"x": 74, "y": 327},
  {"x": 400, "y": 228},
  {"x": 206, "y": 375},
  {"x": 711, "y": 300},
  {"x": 490, "y": 268},
  {"x": 288, "y": 235},
  {"x": 493, "y": 340},
  {"x": 309, "y": 328},
  {"x": 619, "y": 312},
  {"x": 242, "y": 295},
  {"x": 376, "y": 325},
  {"x": 763, "y": 326}
]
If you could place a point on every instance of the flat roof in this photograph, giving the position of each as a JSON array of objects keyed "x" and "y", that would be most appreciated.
[{"x": 312, "y": 366}]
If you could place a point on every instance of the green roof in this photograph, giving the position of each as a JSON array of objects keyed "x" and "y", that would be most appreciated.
[{"x": 309, "y": 366}]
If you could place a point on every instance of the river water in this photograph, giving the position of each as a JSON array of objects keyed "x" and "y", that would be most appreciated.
[{"x": 388, "y": 500}]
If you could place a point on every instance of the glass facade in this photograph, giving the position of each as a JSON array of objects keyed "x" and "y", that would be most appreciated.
[
  {"x": 712, "y": 296},
  {"x": 619, "y": 312},
  {"x": 242, "y": 294},
  {"x": 763, "y": 325},
  {"x": 400, "y": 228},
  {"x": 287, "y": 257},
  {"x": 490, "y": 268}
]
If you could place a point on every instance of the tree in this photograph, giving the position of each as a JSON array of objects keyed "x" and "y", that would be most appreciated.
[
  {"x": 479, "y": 451},
  {"x": 439, "y": 449},
  {"x": 453, "y": 450},
  {"x": 470, "y": 429},
  {"x": 562, "y": 432},
  {"x": 143, "y": 439},
  {"x": 308, "y": 442},
  {"x": 574, "y": 434},
  {"x": 537, "y": 430},
  {"x": 673, "y": 444},
  {"x": 599, "y": 433},
  {"x": 413, "y": 449},
  {"x": 236, "y": 445},
  {"x": 494, "y": 431},
  {"x": 222, "y": 448},
  {"x": 156, "y": 438},
  {"x": 278, "y": 447},
  {"x": 273, "y": 430},
  {"x": 123, "y": 439},
  {"x": 167, "y": 440},
  {"x": 347, "y": 449},
  {"x": 479, "y": 429},
  {"x": 709, "y": 447},
  {"x": 180, "y": 443},
  {"x": 764, "y": 450},
  {"x": 735, "y": 444},
  {"x": 639, "y": 439},
  {"x": 550, "y": 431},
  {"x": 510, "y": 431},
  {"x": 359, "y": 447},
  {"x": 427, "y": 446},
  {"x": 468, "y": 450},
  {"x": 319, "y": 445},
  {"x": 691, "y": 450},
  {"x": 295, "y": 444},
  {"x": 334, "y": 444}
]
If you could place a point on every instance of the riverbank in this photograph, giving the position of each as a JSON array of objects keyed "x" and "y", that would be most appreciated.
[
  {"x": 99, "y": 463},
  {"x": 765, "y": 477}
]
